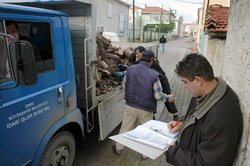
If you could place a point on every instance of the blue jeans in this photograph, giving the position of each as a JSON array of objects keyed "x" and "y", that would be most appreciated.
[{"x": 162, "y": 45}]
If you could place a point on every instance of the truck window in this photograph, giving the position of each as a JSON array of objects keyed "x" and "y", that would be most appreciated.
[
  {"x": 5, "y": 74},
  {"x": 39, "y": 35}
]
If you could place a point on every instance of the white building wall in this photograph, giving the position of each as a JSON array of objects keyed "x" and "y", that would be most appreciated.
[
  {"x": 224, "y": 3},
  {"x": 108, "y": 13},
  {"x": 234, "y": 67}
]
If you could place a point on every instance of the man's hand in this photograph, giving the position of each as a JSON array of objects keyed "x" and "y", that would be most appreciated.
[
  {"x": 175, "y": 126},
  {"x": 171, "y": 98}
]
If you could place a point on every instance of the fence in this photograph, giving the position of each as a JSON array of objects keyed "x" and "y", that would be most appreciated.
[{"x": 145, "y": 35}]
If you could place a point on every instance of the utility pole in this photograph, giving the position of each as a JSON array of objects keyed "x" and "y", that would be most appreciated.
[
  {"x": 169, "y": 19},
  {"x": 170, "y": 13},
  {"x": 133, "y": 20},
  {"x": 160, "y": 20}
]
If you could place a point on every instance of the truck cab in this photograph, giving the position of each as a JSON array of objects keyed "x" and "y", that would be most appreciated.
[{"x": 39, "y": 118}]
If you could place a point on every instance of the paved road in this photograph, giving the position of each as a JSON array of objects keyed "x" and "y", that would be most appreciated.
[{"x": 99, "y": 153}]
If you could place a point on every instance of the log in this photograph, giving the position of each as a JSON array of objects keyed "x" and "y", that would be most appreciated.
[
  {"x": 101, "y": 47},
  {"x": 98, "y": 77},
  {"x": 105, "y": 73},
  {"x": 128, "y": 52},
  {"x": 114, "y": 57},
  {"x": 106, "y": 42},
  {"x": 103, "y": 65}
]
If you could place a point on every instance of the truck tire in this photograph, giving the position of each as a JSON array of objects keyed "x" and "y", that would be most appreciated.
[{"x": 60, "y": 151}]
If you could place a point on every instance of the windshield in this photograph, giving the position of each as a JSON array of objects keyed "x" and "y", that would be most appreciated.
[{"x": 5, "y": 73}]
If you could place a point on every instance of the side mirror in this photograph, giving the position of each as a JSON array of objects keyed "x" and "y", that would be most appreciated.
[{"x": 23, "y": 62}]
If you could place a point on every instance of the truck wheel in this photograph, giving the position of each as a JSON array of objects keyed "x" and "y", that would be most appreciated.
[{"x": 60, "y": 151}]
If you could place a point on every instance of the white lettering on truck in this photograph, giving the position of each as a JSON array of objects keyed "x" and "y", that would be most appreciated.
[{"x": 30, "y": 111}]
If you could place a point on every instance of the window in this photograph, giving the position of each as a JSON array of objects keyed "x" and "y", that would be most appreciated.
[
  {"x": 110, "y": 8},
  {"x": 121, "y": 24},
  {"x": 39, "y": 35},
  {"x": 123, "y": 21},
  {"x": 154, "y": 18}
]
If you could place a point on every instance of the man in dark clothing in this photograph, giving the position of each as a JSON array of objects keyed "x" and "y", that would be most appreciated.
[
  {"x": 165, "y": 89},
  {"x": 135, "y": 58},
  {"x": 12, "y": 29},
  {"x": 212, "y": 128},
  {"x": 162, "y": 42},
  {"x": 142, "y": 90}
]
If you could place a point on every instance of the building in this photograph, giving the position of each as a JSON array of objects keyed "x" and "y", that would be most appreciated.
[
  {"x": 113, "y": 16},
  {"x": 190, "y": 29},
  {"x": 137, "y": 31}
]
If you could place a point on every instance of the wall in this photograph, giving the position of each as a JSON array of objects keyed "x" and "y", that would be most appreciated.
[
  {"x": 200, "y": 25},
  {"x": 234, "y": 67},
  {"x": 215, "y": 54},
  {"x": 108, "y": 16},
  {"x": 224, "y": 3}
]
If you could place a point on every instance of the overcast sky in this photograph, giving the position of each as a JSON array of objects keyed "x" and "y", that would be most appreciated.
[{"x": 186, "y": 8}]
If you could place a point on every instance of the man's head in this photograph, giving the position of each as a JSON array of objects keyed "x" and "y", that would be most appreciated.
[
  {"x": 138, "y": 52},
  {"x": 148, "y": 56},
  {"x": 11, "y": 27},
  {"x": 196, "y": 73}
]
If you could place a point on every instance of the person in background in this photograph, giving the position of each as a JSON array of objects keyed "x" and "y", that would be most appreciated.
[
  {"x": 162, "y": 42},
  {"x": 171, "y": 107},
  {"x": 12, "y": 29},
  {"x": 135, "y": 58},
  {"x": 212, "y": 128},
  {"x": 142, "y": 90}
]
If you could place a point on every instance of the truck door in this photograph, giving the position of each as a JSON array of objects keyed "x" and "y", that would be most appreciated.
[{"x": 27, "y": 112}]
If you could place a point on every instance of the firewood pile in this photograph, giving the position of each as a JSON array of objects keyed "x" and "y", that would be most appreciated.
[{"x": 112, "y": 64}]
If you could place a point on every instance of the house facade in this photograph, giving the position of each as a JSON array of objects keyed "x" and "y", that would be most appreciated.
[
  {"x": 138, "y": 31},
  {"x": 113, "y": 16}
]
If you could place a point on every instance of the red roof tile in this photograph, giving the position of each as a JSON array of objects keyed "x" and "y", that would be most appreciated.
[
  {"x": 136, "y": 8},
  {"x": 216, "y": 18},
  {"x": 153, "y": 9}
]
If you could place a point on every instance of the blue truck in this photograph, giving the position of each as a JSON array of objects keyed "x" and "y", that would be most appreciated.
[{"x": 47, "y": 104}]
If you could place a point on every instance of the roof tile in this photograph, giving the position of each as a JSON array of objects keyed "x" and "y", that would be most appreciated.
[
  {"x": 153, "y": 9},
  {"x": 216, "y": 18}
]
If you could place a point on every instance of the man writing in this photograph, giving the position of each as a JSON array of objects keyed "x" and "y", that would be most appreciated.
[{"x": 212, "y": 128}]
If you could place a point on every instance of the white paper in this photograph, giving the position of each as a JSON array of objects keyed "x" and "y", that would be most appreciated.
[
  {"x": 147, "y": 139},
  {"x": 160, "y": 127},
  {"x": 139, "y": 147},
  {"x": 153, "y": 133}
]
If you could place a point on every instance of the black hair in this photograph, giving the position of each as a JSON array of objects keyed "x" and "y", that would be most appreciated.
[
  {"x": 10, "y": 22},
  {"x": 194, "y": 65},
  {"x": 140, "y": 49}
]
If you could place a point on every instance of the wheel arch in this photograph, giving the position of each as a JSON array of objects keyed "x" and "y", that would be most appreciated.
[{"x": 72, "y": 122}]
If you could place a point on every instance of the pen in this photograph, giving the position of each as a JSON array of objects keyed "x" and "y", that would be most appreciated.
[{"x": 176, "y": 123}]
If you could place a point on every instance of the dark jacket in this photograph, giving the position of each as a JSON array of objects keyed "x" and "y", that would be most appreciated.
[
  {"x": 139, "y": 87},
  {"x": 211, "y": 132},
  {"x": 163, "y": 40},
  {"x": 165, "y": 86}
]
